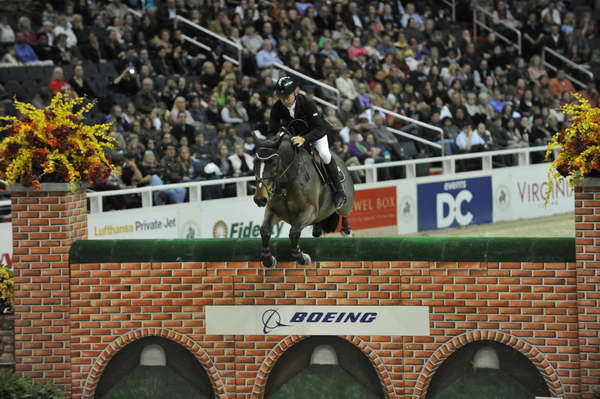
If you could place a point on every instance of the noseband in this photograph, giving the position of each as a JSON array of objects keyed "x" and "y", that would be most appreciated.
[{"x": 265, "y": 154}]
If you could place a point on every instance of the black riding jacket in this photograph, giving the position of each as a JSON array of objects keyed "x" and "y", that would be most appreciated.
[{"x": 306, "y": 110}]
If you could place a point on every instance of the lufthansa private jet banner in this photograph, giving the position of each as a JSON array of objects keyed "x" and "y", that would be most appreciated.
[{"x": 317, "y": 320}]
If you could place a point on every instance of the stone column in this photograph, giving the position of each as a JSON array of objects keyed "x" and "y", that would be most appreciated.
[
  {"x": 44, "y": 222},
  {"x": 587, "y": 232}
]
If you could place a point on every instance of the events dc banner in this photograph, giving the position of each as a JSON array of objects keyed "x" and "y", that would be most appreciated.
[{"x": 454, "y": 203}]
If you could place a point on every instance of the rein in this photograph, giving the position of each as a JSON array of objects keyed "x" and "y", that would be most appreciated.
[{"x": 272, "y": 191}]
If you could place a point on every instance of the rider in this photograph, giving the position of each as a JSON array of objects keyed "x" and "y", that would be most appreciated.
[{"x": 292, "y": 105}]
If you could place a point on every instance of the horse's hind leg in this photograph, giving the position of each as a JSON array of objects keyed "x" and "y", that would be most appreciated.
[
  {"x": 266, "y": 229},
  {"x": 301, "y": 257},
  {"x": 317, "y": 230},
  {"x": 346, "y": 227}
]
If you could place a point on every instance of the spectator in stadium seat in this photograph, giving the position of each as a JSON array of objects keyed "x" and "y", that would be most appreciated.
[
  {"x": 80, "y": 84},
  {"x": 266, "y": 58},
  {"x": 410, "y": 13},
  {"x": 209, "y": 77},
  {"x": 24, "y": 26},
  {"x": 241, "y": 162},
  {"x": 24, "y": 52},
  {"x": 116, "y": 9},
  {"x": 251, "y": 40},
  {"x": 560, "y": 84},
  {"x": 166, "y": 15},
  {"x": 63, "y": 26},
  {"x": 181, "y": 128},
  {"x": 99, "y": 27},
  {"x": 126, "y": 83},
  {"x": 346, "y": 85},
  {"x": 200, "y": 148},
  {"x": 145, "y": 99},
  {"x": 113, "y": 49},
  {"x": 57, "y": 81},
  {"x": 10, "y": 57},
  {"x": 468, "y": 140},
  {"x": 555, "y": 39},
  {"x": 92, "y": 50},
  {"x": 553, "y": 12},
  {"x": 7, "y": 34},
  {"x": 44, "y": 50}
]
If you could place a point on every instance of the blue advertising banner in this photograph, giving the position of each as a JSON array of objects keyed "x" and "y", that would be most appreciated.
[{"x": 454, "y": 203}]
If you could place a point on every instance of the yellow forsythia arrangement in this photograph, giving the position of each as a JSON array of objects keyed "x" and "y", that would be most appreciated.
[
  {"x": 579, "y": 142},
  {"x": 54, "y": 145},
  {"x": 7, "y": 288}
]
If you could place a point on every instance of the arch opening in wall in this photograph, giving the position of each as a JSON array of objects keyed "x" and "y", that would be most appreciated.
[
  {"x": 323, "y": 367},
  {"x": 487, "y": 369},
  {"x": 154, "y": 367}
]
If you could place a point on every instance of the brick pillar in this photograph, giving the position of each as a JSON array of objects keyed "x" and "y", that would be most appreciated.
[
  {"x": 587, "y": 232},
  {"x": 44, "y": 225}
]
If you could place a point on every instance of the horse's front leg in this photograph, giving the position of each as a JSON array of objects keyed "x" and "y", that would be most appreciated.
[
  {"x": 266, "y": 230},
  {"x": 301, "y": 257}
]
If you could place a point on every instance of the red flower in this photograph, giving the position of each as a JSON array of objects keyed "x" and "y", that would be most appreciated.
[{"x": 36, "y": 184}]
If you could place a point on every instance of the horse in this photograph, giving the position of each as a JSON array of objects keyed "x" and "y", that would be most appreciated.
[{"x": 290, "y": 186}]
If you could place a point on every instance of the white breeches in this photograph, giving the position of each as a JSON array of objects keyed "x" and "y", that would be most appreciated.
[{"x": 322, "y": 147}]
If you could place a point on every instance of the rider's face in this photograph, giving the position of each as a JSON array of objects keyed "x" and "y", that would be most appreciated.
[{"x": 289, "y": 100}]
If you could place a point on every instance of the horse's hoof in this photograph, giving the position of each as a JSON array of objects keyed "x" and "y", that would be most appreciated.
[
  {"x": 303, "y": 259},
  {"x": 317, "y": 232},
  {"x": 269, "y": 261},
  {"x": 346, "y": 233}
]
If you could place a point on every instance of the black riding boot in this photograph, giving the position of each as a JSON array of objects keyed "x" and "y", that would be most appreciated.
[{"x": 335, "y": 176}]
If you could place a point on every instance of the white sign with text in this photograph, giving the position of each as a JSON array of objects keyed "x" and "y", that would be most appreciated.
[{"x": 317, "y": 320}]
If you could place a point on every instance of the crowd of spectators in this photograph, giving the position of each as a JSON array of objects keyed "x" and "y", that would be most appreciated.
[{"x": 182, "y": 113}]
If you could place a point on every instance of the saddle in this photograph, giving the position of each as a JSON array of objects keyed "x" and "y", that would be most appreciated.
[{"x": 320, "y": 166}]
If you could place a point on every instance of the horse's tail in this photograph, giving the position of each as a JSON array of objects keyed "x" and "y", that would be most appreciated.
[{"x": 329, "y": 224}]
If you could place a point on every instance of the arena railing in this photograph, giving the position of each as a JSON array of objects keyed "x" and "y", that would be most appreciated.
[
  {"x": 311, "y": 80},
  {"x": 452, "y": 5},
  {"x": 195, "y": 188},
  {"x": 570, "y": 65},
  {"x": 238, "y": 48},
  {"x": 484, "y": 26}
]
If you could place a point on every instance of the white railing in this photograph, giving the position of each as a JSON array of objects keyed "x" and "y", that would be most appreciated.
[
  {"x": 478, "y": 23},
  {"x": 311, "y": 80},
  {"x": 415, "y": 122},
  {"x": 221, "y": 38},
  {"x": 569, "y": 63},
  {"x": 195, "y": 188},
  {"x": 452, "y": 5}
]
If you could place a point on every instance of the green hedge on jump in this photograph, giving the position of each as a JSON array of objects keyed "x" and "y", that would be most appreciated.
[{"x": 328, "y": 249}]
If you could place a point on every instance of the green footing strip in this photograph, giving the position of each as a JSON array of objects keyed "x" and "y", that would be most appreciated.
[{"x": 328, "y": 249}]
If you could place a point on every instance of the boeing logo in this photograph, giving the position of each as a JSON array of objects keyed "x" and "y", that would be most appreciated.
[{"x": 271, "y": 319}]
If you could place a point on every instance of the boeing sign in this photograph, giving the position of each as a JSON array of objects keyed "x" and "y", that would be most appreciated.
[{"x": 317, "y": 320}]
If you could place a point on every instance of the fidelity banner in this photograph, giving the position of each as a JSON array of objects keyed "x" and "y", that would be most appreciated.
[{"x": 317, "y": 320}]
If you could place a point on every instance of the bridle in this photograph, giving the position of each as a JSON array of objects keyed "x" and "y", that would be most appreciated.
[{"x": 279, "y": 173}]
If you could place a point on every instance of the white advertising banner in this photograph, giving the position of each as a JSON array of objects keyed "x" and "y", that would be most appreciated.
[
  {"x": 407, "y": 206},
  {"x": 135, "y": 223},
  {"x": 5, "y": 243},
  {"x": 317, "y": 320},
  {"x": 236, "y": 218},
  {"x": 528, "y": 186}
]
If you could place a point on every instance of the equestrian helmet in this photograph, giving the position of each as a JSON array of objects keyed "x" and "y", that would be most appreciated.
[{"x": 284, "y": 87}]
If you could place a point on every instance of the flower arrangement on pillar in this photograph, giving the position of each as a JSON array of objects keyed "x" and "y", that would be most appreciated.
[
  {"x": 54, "y": 145},
  {"x": 575, "y": 150}
]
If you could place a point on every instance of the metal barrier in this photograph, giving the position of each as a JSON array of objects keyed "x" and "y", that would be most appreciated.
[
  {"x": 452, "y": 5},
  {"x": 221, "y": 38},
  {"x": 569, "y": 63},
  {"x": 477, "y": 23},
  {"x": 311, "y": 80},
  {"x": 195, "y": 188}
]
